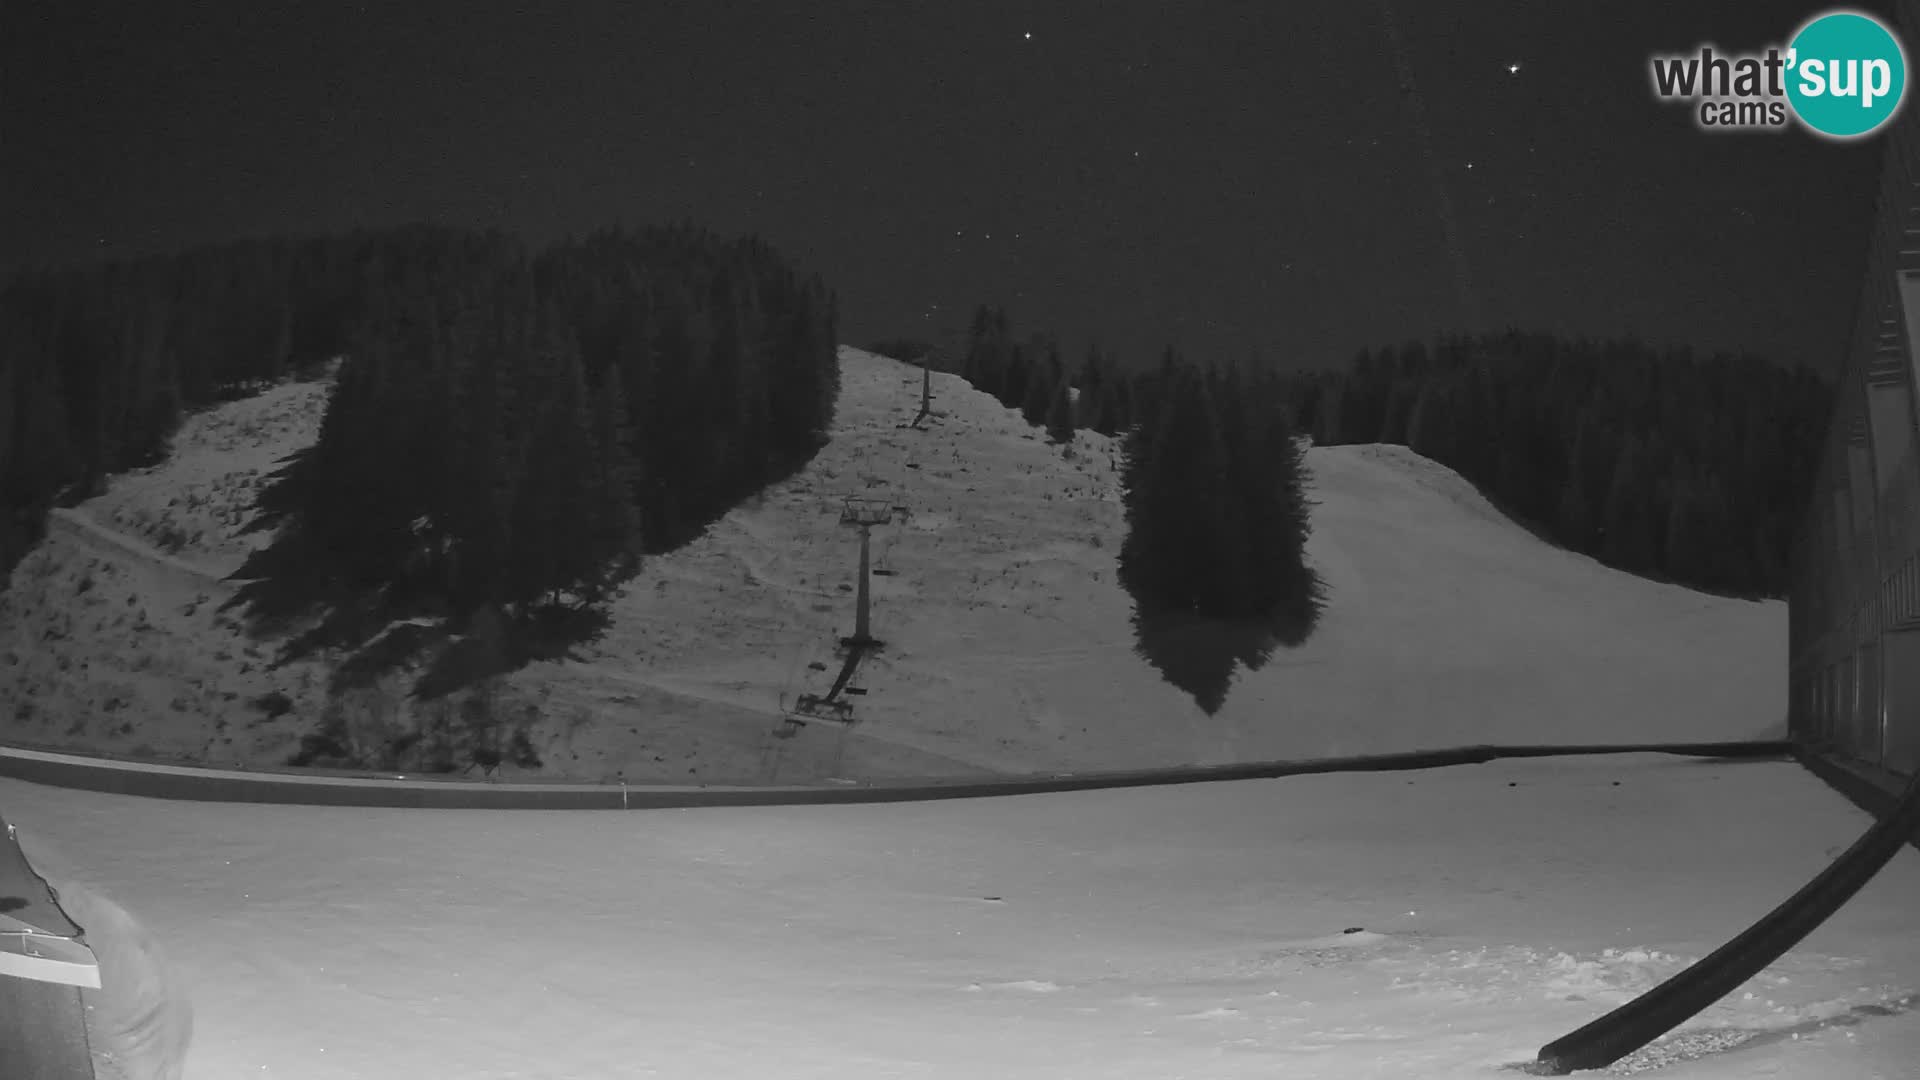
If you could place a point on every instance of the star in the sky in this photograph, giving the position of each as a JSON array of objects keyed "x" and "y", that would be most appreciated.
[{"x": 1513, "y": 69}]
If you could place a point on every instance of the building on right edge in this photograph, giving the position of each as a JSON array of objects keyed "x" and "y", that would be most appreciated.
[{"x": 1854, "y": 611}]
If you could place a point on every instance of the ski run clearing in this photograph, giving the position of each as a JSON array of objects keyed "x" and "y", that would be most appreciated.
[{"x": 1431, "y": 924}]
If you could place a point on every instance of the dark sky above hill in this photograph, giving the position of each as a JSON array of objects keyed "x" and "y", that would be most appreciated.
[{"x": 1234, "y": 176}]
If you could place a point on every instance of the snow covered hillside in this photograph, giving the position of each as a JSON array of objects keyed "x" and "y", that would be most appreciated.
[
  {"x": 111, "y": 637},
  {"x": 1009, "y": 647}
]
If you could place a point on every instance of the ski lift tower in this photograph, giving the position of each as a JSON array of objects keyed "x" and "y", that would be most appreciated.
[
  {"x": 926, "y": 389},
  {"x": 926, "y": 395},
  {"x": 864, "y": 513}
]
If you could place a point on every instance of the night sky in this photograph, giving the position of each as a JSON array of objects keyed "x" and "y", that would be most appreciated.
[{"x": 1237, "y": 178}]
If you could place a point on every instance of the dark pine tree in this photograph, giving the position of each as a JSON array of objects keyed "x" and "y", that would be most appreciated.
[
  {"x": 1186, "y": 549},
  {"x": 1060, "y": 425},
  {"x": 618, "y": 538},
  {"x": 1041, "y": 383},
  {"x": 1091, "y": 383},
  {"x": 1015, "y": 375}
]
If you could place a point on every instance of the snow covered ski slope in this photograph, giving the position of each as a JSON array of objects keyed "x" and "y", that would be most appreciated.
[
  {"x": 1433, "y": 924},
  {"x": 1009, "y": 647}
]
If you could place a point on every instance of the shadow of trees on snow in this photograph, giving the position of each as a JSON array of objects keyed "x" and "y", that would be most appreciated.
[
  {"x": 291, "y": 589},
  {"x": 1201, "y": 655}
]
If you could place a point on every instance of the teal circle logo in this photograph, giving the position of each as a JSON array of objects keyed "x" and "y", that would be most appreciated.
[{"x": 1846, "y": 74}]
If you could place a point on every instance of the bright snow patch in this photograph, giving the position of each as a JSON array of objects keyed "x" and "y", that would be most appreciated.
[{"x": 1154, "y": 932}]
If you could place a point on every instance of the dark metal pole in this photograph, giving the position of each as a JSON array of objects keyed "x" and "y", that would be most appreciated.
[
  {"x": 1659, "y": 1010},
  {"x": 860, "y": 634}
]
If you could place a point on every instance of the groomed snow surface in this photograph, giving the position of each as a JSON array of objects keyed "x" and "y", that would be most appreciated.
[
  {"x": 1192, "y": 931},
  {"x": 1196, "y": 931}
]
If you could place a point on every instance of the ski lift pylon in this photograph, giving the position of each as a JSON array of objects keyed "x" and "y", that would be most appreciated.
[{"x": 861, "y": 510}]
